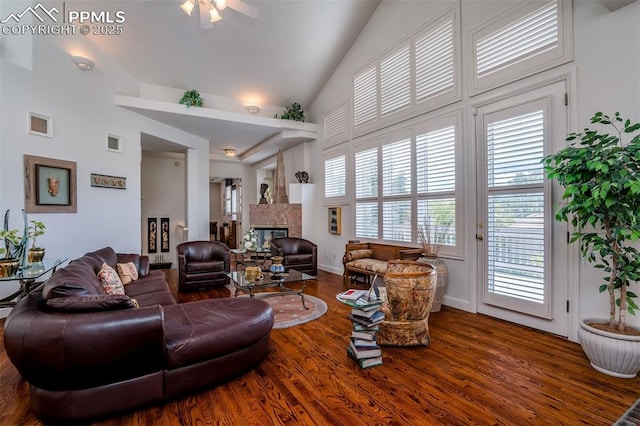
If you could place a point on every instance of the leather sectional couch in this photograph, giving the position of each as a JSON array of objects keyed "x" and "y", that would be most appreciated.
[{"x": 87, "y": 354}]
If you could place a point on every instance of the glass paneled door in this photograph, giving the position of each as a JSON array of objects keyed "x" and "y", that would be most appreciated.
[{"x": 523, "y": 250}]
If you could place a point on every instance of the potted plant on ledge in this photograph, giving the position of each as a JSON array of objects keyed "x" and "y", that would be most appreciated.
[
  {"x": 601, "y": 177},
  {"x": 36, "y": 254}
]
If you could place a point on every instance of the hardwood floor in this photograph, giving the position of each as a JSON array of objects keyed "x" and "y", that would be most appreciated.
[{"x": 478, "y": 370}]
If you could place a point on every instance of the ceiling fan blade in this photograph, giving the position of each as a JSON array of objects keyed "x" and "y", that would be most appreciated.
[{"x": 244, "y": 8}]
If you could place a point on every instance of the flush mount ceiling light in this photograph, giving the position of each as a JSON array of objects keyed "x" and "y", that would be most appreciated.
[
  {"x": 84, "y": 64},
  {"x": 252, "y": 109},
  {"x": 209, "y": 10},
  {"x": 230, "y": 152}
]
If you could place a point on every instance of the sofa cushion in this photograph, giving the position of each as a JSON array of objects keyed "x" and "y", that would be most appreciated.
[
  {"x": 359, "y": 254},
  {"x": 195, "y": 267},
  {"x": 101, "y": 302},
  {"x": 110, "y": 280},
  {"x": 127, "y": 272},
  {"x": 375, "y": 266},
  {"x": 201, "y": 330}
]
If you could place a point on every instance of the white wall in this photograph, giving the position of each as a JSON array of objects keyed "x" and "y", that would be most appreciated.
[
  {"x": 606, "y": 54},
  {"x": 215, "y": 202},
  {"x": 163, "y": 195},
  {"x": 81, "y": 104}
]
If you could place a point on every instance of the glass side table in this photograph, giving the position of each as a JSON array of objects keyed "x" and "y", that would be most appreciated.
[{"x": 28, "y": 279}]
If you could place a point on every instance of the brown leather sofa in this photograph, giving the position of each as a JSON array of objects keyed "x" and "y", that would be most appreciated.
[
  {"x": 203, "y": 264},
  {"x": 88, "y": 355},
  {"x": 298, "y": 254}
]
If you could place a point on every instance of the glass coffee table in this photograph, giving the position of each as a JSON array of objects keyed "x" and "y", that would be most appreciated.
[{"x": 271, "y": 284}]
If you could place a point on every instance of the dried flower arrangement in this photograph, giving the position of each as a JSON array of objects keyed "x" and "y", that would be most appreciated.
[{"x": 433, "y": 235}]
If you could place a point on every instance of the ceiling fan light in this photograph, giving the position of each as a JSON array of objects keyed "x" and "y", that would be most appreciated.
[
  {"x": 215, "y": 16},
  {"x": 221, "y": 4},
  {"x": 187, "y": 6}
]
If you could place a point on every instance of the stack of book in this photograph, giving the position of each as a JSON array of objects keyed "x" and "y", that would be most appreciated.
[{"x": 365, "y": 317}]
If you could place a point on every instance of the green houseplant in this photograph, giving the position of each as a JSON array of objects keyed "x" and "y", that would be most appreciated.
[
  {"x": 11, "y": 240},
  {"x": 191, "y": 98},
  {"x": 10, "y": 251},
  {"x": 601, "y": 176},
  {"x": 293, "y": 112},
  {"x": 36, "y": 229}
]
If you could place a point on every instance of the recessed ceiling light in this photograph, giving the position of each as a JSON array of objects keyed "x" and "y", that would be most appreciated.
[
  {"x": 253, "y": 109},
  {"x": 84, "y": 64}
]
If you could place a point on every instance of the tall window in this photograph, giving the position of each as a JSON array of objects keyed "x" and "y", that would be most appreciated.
[
  {"x": 436, "y": 182},
  {"x": 396, "y": 190},
  {"x": 366, "y": 178},
  {"x": 407, "y": 179}
]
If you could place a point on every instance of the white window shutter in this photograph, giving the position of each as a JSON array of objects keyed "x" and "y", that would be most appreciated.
[
  {"x": 334, "y": 125},
  {"x": 434, "y": 53},
  {"x": 335, "y": 177},
  {"x": 365, "y": 97},
  {"x": 531, "y": 37},
  {"x": 395, "y": 81}
]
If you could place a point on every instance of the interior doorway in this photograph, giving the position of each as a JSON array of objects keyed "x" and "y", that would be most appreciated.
[
  {"x": 225, "y": 210},
  {"x": 163, "y": 205}
]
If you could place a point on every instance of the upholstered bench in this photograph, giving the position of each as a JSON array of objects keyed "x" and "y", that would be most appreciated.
[{"x": 370, "y": 259}]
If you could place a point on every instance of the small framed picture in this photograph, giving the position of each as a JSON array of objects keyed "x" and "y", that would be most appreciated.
[
  {"x": 164, "y": 235},
  {"x": 50, "y": 185},
  {"x": 335, "y": 223},
  {"x": 152, "y": 235}
]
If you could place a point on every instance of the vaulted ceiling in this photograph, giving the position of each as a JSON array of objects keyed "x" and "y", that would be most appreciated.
[{"x": 286, "y": 55}]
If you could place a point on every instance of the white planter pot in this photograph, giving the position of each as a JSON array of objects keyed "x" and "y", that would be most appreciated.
[{"x": 613, "y": 354}]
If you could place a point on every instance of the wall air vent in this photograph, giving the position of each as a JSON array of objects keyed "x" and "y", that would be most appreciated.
[
  {"x": 40, "y": 125},
  {"x": 114, "y": 143}
]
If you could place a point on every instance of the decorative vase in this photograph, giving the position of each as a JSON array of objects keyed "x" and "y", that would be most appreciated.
[
  {"x": 276, "y": 265},
  {"x": 443, "y": 278},
  {"x": 35, "y": 255},
  {"x": 302, "y": 176},
  {"x": 617, "y": 355},
  {"x": 9, "y": 267}
]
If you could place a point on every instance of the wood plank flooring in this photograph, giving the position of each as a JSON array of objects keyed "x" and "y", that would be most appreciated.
[{"x": 478, "y": 371}]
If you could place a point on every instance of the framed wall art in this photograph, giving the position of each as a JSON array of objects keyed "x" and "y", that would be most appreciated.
[
  {"x": 49, "y": 185},
  {"x": 335, "y": 220},
  {"x": 164, "y": 235},
  {"x": 152, "y": 235}
]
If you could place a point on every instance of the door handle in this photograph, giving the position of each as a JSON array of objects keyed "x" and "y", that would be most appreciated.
[{"x": 479, "y": 237}]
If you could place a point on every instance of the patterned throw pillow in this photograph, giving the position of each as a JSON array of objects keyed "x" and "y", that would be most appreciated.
[
  {"x": 359, "y": 254},
  {"x": 127, "y": 272},
  {"x": 110, "y": 280}
]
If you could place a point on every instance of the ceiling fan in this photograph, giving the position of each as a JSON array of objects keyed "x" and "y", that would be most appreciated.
[{"x": 209, "y": 10}]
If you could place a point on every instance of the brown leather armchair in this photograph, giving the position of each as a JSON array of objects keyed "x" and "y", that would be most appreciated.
[
  {"x": 297, "y": 253},
  {"x": 203, "y": 264}
]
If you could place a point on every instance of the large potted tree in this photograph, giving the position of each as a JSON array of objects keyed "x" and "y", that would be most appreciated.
[{"x": 600, "y": 171}]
